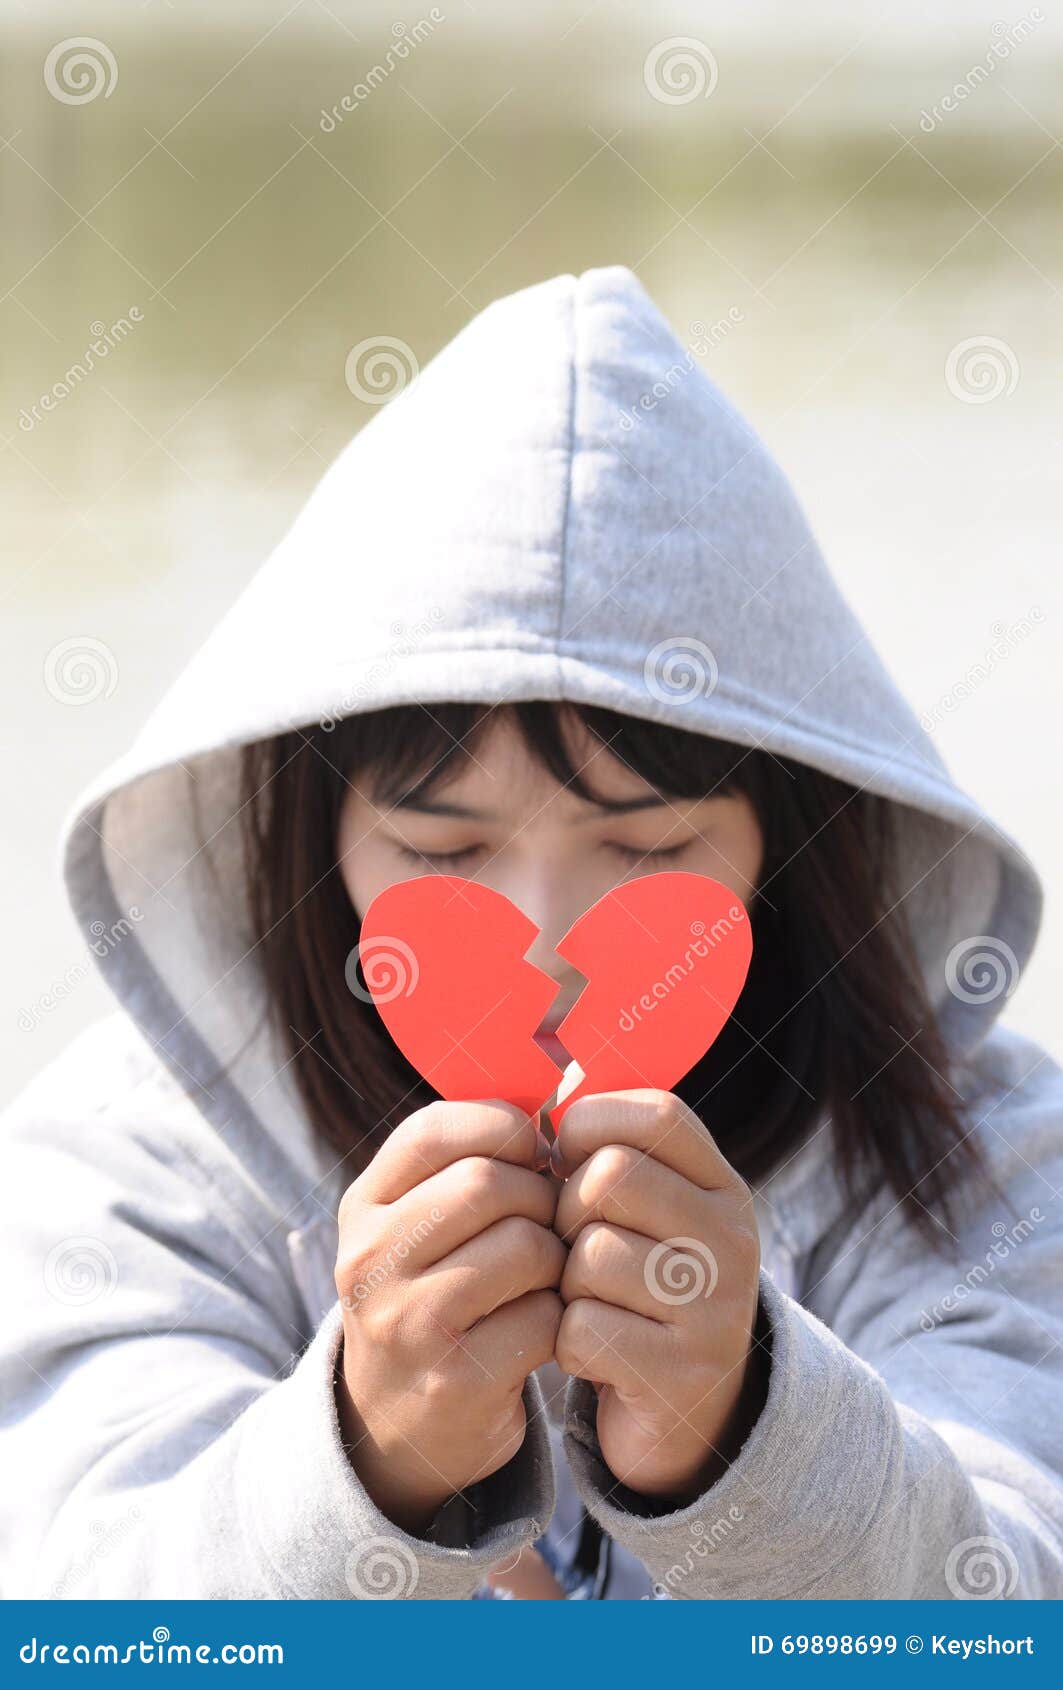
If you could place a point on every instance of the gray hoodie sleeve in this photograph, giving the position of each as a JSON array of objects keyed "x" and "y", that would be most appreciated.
[
  {"x": 160, "y": 1440},
  {"x": 911, "y": 1448}
]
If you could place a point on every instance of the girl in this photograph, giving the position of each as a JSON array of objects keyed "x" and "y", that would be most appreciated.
[{"x": 290, "y": 1326}]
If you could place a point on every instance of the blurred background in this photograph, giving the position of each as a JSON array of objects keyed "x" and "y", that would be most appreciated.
[{"x": 861, "y": 204}]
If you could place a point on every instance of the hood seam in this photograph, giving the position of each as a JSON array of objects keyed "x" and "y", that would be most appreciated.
[{"x": 566, "y": 504}]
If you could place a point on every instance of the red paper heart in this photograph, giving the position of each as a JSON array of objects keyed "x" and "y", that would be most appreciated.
[
  {"x": 444, "y": 960},
  {"x": 665, "y": 959}
]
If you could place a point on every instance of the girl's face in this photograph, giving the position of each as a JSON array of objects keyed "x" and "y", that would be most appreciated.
[{"x": 498, "y": 817}]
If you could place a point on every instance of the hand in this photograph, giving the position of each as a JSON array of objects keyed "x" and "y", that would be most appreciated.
[
  {"x": 660, "y": 1288},
  {"x": 447, "y": 1272}
]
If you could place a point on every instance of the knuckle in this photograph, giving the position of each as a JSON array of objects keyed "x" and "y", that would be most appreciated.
[
  {"x": 575, "y": 1126},
  {"x": 354, "y": 1267},
  {"x": 501, "y": 1124},
  {"x": 578, "y": 1323},
  {"x": 520, "y": 1133},
  {"x": 543, "y": 1311},
  {"x": 349, "y": 1204},
  {"x": 595, "y": 1247},
  {"x": 573, "y": 1335},
  {"x": 668, "y": 1113},
  {"x": 548, "y": 1311},
  {"x": 553, "y": 1315},
  {"x": 479, "y": 1179},
  {"x": 549, "y": 1199},
  {"x": 437, "y": 1121},
  {"x": 746, "y": 1246},
  {"x": 377, "y": 1320},
  {"x": 523, "y": 1239},
  {"x": 373, "y": 1314},
  {"x": 609, "y": 1166},
  {"x": 564, "y": 1349},
  {"x": 744, "y": 1199},
  {"x": 436, "y": 1113},
  {"x": 356, "y": 1212},
  {"x": 428, "y": 1122},
  {"x": 436, "y": 1386},
  {"x": 740, "y": 1209}
]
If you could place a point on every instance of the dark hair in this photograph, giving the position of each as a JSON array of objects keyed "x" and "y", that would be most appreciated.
[{"x": 834, "y": 1017}]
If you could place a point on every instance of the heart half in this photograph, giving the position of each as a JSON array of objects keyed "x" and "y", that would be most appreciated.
[
  {"x": 665, "y": 958},
  {"x": 444, "y": 961}
]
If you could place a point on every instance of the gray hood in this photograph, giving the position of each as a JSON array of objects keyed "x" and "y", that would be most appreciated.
[{"x": 561, "y": 505}]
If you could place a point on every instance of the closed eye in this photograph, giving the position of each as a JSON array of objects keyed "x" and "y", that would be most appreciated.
[
  {"x": 631, "y": 854},
  {"x": 444, "y": 858}
]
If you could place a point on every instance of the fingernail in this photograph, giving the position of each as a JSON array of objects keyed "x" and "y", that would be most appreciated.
[
  {"x": 542, "y": 1149},
  {"x": 556, "y": 1160}
]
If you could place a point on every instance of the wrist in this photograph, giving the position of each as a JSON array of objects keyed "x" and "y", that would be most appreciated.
[
  {"x": 747, "y": 1410},
  {"x": 406, "y": 1504},
  {"x": 721, "y": 1444}
]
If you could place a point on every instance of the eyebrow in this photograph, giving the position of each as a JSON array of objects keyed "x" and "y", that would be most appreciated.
[{"x": 462, "y": 812}]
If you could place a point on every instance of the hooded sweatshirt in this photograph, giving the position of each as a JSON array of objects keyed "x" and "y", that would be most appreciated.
[{"x": 561, "y": 505}]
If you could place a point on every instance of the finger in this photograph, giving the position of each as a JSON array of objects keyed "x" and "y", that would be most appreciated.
[
  {"x": 608, "y": 1264},
  {"x": 465, "y": 1199},
  {"x": 630, "y": 1189},
  {"x": 656, "y": 1122},
  {"x": 509, "y": 1259},
  {"x": 598, "y": 1342},
  {"x": 516, "y": 1339},
  {"x": 432, "y": 1138},
  {"x": 527, "y": 1577}
]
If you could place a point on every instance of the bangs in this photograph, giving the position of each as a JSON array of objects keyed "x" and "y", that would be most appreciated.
[{"x": 418, "y": 748}]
